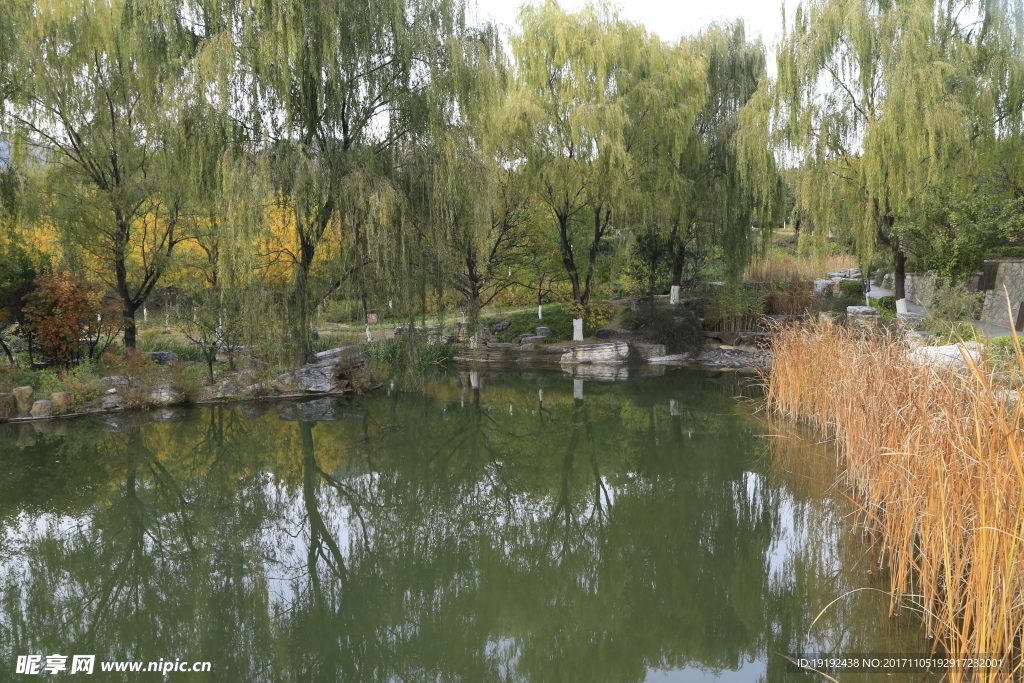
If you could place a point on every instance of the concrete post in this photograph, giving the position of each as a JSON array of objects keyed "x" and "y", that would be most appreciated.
[
  {"x": 673, "y": 297},
  {"x": 577, "y": 389},
  {"x": 577, "y": 329}
]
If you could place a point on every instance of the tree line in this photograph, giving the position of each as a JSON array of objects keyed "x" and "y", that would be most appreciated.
[{"x": 269, "y": 156}]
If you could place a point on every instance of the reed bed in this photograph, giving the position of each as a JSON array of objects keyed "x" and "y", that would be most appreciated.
[
  {"x": 933, "y": 458},
  {"x": 775, "y": 266}
]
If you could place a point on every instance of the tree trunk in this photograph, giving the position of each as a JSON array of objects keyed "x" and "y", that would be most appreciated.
[
  {"x": 130, "y": 330},
  {"x": 899, "y": 277}
]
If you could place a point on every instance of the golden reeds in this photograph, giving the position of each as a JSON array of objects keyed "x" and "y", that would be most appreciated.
[
  {"x": 775, "y": 266},
  {"x": 933, "y": 457}
]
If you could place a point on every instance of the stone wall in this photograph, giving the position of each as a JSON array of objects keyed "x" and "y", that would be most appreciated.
[{"x": 1009, "y": 274}]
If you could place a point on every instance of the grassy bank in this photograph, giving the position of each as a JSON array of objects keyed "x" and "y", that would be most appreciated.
[{"x": 934, "y": 459}]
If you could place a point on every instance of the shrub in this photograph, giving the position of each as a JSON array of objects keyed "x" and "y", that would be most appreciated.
[
  {"x": 82, "y": 382},
  {"x": 65, "y": 314},
  {"x": 886, "y": 303},
  {"x": 595, "y": 316},
  {"x": 853, "y": 290}
]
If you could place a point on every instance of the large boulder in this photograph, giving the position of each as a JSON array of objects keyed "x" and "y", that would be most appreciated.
[
  {"x": 24, "y": 397},
  {"x": 501, "y": 326},
  {"x": 42, "y": 409},
  {"x": 61, "y": 401},
  {"x": 166, "y": 396},
  {"x": 337, "y": 370},
  {"x": 611, "y": 352}
]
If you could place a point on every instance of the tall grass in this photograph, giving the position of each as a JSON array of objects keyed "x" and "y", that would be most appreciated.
[
  {"x": 775, "y": 266},
  {"x": 934, "y": 460}
]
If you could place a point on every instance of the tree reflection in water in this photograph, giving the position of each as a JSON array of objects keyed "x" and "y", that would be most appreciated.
[{"x": 484, "y": 529}]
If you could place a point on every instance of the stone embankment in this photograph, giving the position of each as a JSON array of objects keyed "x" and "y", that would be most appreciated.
[{"x": 337, "y": 371}]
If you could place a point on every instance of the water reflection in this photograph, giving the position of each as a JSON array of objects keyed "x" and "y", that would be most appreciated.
[{"x": 483, "y": 527}]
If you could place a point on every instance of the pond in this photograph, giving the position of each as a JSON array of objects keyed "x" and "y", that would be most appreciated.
[{"x": 484, "y": 526}]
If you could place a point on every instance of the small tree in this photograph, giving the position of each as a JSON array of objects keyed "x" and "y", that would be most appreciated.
[
  {"x": 67, "y": 315},
  {"x": 214, "y": 324}
]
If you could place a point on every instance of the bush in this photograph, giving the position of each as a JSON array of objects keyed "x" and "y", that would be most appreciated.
[
  {"x": 853, "y": 290},
  {"x": 886, "y": 303},
  {"x": 679, "y": 330}
]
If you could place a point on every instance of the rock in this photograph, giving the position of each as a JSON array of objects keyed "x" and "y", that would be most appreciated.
[
  {"x": 951, "y": 355},
  {"x": 821, "y": 286},
  {"x": 166, "y": 396},
  {"x": 110, "y": 400},
  {"x": 543, "y": 331},
  {"x": 61, "y": 401},
  {"x": 461, "y": 332},
  {"x": 163, "y": 357},
  {"x": 42, "y": 409},
  {"x": 863, "y": 316},
  {"x": 8, "y": 407},
  {"x": 503, "y": 346},
  {"x": 447, "y": 339},
  {"x": 341, "y": 369},
  {"x": 530, "y": 339},
  {"x": 227, "y": 388},
  {"x": 649, "y": 351},
  {"x": 611, "y": 352},
  {"x": 115, "y": 381},
  {"x": 526, "y": 347},
  {"x": 501, "y": 326},
  {"x": 488, "y": 339},
  {"x": 23, "y": 396}
]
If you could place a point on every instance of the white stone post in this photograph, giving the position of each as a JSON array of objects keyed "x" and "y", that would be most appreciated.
[
  {"x": 145, "y": 314},
  {"x": 577, "y": 389},
  {"x": 369, "y": 336},
  {"x": 901, "y": 306},
  {"x": 474, "y": 379},
  {"x": 577, "y": 329},
  {"x": 540, "y": 312},
  {"x": 673, "y": 297},
  {"x": 540, "y": 395}
]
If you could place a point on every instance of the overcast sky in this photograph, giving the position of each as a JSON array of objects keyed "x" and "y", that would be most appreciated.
[{"x": 669, "y": 19}]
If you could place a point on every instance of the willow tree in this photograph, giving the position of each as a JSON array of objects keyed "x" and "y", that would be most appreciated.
[
  {"x": 330, "y": 89},
  {"x": 591, "y": 85},
  {"x": 95, "y": 89},
  {"x": 880, "y": 101}
]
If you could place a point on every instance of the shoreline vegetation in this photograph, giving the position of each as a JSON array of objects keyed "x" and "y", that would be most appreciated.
[{"x": 933, "y": 456}]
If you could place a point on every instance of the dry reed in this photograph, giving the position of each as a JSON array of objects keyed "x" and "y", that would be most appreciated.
[
  {"x": 776, "y": 266},
  {"x": 934, "y": 459}
]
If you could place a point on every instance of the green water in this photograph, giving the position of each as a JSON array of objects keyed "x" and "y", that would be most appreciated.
[{"x": 485, "y": 527}]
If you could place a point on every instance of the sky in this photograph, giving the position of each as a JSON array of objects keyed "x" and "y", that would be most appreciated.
[{"x": 668, "y": 18}]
